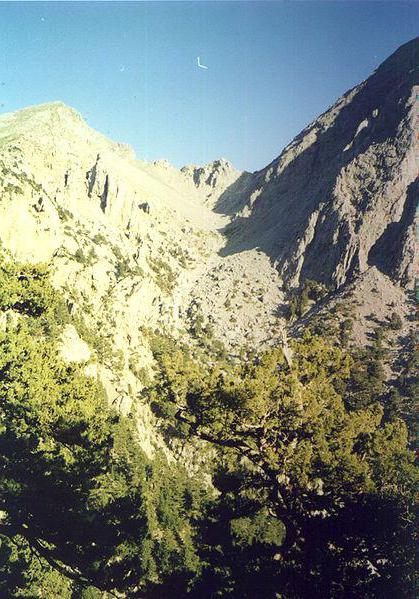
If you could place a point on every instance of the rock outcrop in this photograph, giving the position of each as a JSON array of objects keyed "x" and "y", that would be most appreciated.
[{"x": 342, "y": 195}]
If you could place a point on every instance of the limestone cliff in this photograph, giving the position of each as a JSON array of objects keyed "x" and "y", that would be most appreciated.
[{"x": 341, "y": 196}]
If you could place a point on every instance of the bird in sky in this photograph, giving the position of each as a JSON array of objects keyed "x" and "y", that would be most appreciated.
[{"x": 201, "y": 65}]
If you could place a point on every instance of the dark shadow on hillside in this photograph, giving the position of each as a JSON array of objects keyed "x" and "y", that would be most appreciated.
[
  {"x": 413, "y": 303},
  {"x": 281, "y": 213},
  {"x": 235, "y": 197},
  {"x": 386, "y": 253}
]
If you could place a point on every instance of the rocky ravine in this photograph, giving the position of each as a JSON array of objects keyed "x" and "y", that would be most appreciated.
[{"x": 138, "y": 247}]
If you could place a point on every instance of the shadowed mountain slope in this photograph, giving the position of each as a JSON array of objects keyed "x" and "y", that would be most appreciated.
[{"x": 340, "y": 197}]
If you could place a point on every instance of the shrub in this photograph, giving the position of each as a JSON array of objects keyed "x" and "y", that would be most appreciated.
[{"x": 395, "y": 322}]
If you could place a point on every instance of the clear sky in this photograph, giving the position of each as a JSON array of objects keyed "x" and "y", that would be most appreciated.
[{"x": 130, "y": 68}]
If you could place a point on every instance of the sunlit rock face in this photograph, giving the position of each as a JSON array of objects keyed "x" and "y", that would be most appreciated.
[
  {"x": 341, "y": 197},
  {"x": 209, "y": 251}
]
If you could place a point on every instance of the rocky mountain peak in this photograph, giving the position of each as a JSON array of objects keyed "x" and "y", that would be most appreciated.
[
  {"x": 34, "y": 119},
  {"x": 340, "y": 197},
  {"x": 212, "y": 178}
]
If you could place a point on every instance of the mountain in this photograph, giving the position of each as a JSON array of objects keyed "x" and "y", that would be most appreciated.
[
  {"x": 345, "y": 188},
  {"x": 210, "y": 254},
  {"x": 208, "y": 376}
]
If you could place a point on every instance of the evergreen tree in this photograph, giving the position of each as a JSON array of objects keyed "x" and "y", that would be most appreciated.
[
  {"x": 315, "y": 488},
  {"x": 75, "y": 487},
  {"x": 339, "y": 481}
]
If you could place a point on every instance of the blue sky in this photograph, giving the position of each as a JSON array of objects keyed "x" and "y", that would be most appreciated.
[{"x": 130, "y": 68}]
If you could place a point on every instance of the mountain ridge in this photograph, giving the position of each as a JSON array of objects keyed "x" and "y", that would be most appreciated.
[
  {"x": 339, "y": 147},
  {"x": 211, "y": 255}
]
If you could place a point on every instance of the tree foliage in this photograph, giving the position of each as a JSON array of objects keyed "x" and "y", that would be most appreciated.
[
  {"x": 341, "y": 481},
  {"x": 314, "y": 486},
  {"x": 75, "y": 485}
]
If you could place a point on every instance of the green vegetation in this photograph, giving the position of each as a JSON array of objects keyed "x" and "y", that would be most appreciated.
[
  {"x": 346, "y": 328},
  {"x": 123, "y": 267},
  {"x": 203, "y": 333},
  {"x": 97, "y": 339},
  {"x": 365, "y": 385},
  {"x": 401, "y": 400},
  {"x": 64, "y": 214},
  {"x": 99, "y": 239},
  {"x": 13, "y": 189},
  {"x": 86, "y": 260},
  {"x": 395, "y": 322},
  {"x": 313, "y": 482},
  {"x": 316, "y": 499},
  {"x": 180, "y": 255},
  {"x": 165, "y": 277},
  {"x": 25, "y": 290},
  {"x": 310, "y": 291},
  {"x": 81, "y": 504},
  {"x": 139, "y": 371},
  {"x": 21, "y": 180}
]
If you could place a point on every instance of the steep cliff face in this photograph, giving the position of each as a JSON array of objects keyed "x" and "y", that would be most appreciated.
[{"x": 341, "y": 197}]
